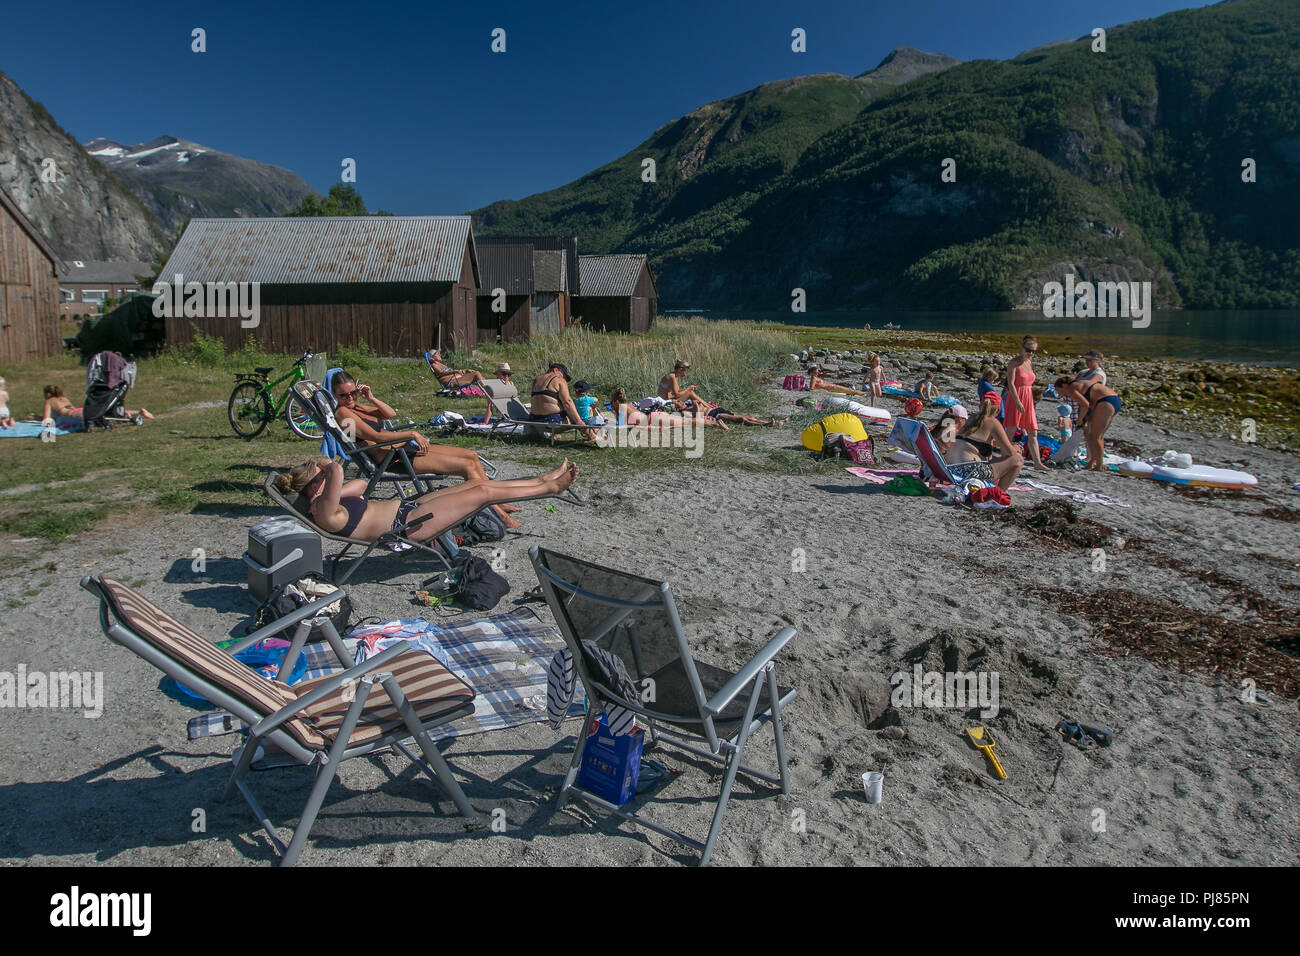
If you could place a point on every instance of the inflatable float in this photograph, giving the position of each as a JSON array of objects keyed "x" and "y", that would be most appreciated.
[
  {"x": 1202, "y": 476},
  {"x": 814, "y": 436},
  {"x": 1195, "y": 476},
  {"x": 878, "y": 415}
]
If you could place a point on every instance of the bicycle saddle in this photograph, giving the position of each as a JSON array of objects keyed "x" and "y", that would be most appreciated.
[{"x": 263, "y": 371}]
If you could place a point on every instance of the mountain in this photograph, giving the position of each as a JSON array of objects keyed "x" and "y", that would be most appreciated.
[
  {"x": 1118, "y": 165},
  {"x": 709, "y": 164},
  {"x": 84, "y": 213},
  {"x": 177, "y": 179}
]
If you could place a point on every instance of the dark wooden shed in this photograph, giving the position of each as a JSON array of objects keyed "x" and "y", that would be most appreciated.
[
  {"x": 401, "y": 284},
  {"x": 507, "y": 267},
  {"x": 618, "y": 293},
  {"x": 29, "y": 289},
  {"x": 555, "y": 278}
]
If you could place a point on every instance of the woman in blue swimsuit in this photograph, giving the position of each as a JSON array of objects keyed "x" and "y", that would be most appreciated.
[
  {"x": 341, "y": 507},
  {"x": 1098, "y": 406}
]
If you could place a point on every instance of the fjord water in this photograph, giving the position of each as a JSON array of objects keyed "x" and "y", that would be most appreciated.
[{"x": 1239, "y": 337}]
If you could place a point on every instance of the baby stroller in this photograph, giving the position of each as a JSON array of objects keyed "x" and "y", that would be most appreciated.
[{"x": 108, "y": 378}]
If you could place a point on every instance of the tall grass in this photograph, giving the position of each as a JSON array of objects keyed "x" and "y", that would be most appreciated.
[{"x": 731, "y": 362}]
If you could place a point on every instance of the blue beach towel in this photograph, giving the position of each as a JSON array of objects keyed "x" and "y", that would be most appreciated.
[{"x": 32, "y": 430}]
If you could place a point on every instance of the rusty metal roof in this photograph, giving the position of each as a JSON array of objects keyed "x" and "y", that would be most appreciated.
[
  {"x": 508, "y": 267},
  {"x": 610, "y": 275},
  {"x": 323, "y": 249}
]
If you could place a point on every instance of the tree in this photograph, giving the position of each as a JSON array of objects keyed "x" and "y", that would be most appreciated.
[{"x": 343, "y": 200}]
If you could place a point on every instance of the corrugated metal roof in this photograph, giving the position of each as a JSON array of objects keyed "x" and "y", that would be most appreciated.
[
  {"x": 508, "y": 267},
  {"x": 610, "y": 275},
  {"x": 567, "y": 244},
  {"x": 549, "y": 271},
  {"x": 323, "y": 249}
]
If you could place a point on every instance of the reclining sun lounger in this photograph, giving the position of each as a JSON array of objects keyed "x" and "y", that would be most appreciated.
[
  {"x": 635, "y": 620},
  {"x": 320, "y": 722},
  {"x": 395, "y": 468},
  {"x": 441, "y": 546},
  {"x": 509, "y": 415},
  {"x": 913, "y": 436}
]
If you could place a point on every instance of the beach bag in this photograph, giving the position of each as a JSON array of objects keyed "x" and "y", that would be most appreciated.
[
  {"x": 860, "y": 452},
  {"x": 795, "y": 383},
  {"x": 478, "y": 586},
  {"x": 288, "y": 598},
  {"x": 611, "y": 765},
  {"x": 265, "y": 657},
  {"x": 484, "y": 526}
]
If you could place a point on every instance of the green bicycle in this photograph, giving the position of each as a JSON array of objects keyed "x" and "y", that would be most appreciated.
[{"x": 253, "y": 403}]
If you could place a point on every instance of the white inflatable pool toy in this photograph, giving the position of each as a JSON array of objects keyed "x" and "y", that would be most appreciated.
[
  {"x": 878, "y": 415},
  {"x": 1135, "y": 469},
  {"x": 1202, "y": 476},
  {"x": 906, "y": 457}
]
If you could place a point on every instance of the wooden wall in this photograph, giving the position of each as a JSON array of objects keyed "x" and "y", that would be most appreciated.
[
  {"x": 392, "y": 319},
  {"x": 29, "y": 296},
  {"x": 512, "y": 325}
]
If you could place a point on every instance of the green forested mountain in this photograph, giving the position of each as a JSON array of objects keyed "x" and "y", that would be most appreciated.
[{"x": 1125, "y": 164}]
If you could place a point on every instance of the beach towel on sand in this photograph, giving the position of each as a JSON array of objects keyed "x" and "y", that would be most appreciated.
[{"x": 1075, "y": 494}]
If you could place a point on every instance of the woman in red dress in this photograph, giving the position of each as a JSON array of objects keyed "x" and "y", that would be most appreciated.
[{"x": 1018, "y": 409}]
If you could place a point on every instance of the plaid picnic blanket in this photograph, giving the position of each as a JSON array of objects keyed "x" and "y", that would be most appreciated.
[{"x": 504, "y": 657}]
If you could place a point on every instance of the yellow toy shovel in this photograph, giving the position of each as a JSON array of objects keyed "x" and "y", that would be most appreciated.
[{"x": 983, "y": 740}]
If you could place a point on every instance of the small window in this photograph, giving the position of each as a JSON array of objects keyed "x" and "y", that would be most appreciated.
[
  {"x": 68, "y": 295},
  {"x": 94, "y": 295}
]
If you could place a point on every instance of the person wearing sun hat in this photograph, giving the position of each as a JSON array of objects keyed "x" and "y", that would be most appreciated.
[
  {"x": 585, "y": 403},
  {"x": 1093, "y": 372}
]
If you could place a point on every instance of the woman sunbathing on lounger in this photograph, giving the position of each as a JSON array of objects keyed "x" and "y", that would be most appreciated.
[
  {"x": 970, "y": 450},
  {"x": 1098, "y": 406},
  {"x": 552, "y": 404},
  {"x": 625, "y": 413},
  {"x": 341, "y": 507},
  {"x": 449, "y": 377},
  {"x": 357, "y": 405}
]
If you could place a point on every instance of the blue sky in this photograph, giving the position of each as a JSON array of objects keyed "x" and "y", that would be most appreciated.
[{"x": 437, "y": 122}]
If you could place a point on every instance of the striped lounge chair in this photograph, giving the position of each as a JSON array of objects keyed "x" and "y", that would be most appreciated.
[{"x": 319, "y": 723}]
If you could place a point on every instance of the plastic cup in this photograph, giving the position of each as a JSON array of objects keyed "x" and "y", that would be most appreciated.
[{"x": 872, "y": 784}]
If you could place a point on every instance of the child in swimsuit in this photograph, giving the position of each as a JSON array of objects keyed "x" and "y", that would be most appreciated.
[{"x": 6, "y": 420}]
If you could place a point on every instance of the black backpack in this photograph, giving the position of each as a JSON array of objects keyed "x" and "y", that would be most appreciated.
[
  {"x": 478, "y": 586},
  {"x": 484, "y": 526}
]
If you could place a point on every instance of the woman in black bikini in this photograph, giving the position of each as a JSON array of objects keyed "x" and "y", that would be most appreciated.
[
  {"x": 971, "y": 451},
  {"x": 552, "y": 403},
  {"x": 1098, "y": 406},
  {"x": 340, "y": 507},
  {"x": 449, "y": 377},
  {"x": 428, "y": 459}
]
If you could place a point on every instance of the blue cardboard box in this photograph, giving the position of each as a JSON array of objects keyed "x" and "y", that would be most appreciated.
[{"x": 611, "y": 765}]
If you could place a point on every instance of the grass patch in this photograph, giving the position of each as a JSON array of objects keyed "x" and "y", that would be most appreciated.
[
  {"x": 178, "y": 500},
  {"x": 52, "y": 525}
]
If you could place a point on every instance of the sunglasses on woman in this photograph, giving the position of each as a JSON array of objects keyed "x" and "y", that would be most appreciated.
[{"x": 344, "y": 396}]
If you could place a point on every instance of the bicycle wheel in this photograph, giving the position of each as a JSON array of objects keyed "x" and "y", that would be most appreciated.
[
  {"x": 302, "y": 424},
  {"x": 249, "y": 411}
]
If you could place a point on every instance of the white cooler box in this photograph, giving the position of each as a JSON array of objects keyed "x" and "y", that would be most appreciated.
[{"x": 280, "y": 551}]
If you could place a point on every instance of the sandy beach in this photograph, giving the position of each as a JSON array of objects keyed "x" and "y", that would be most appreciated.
[{"x": 1196, "y": 776}]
